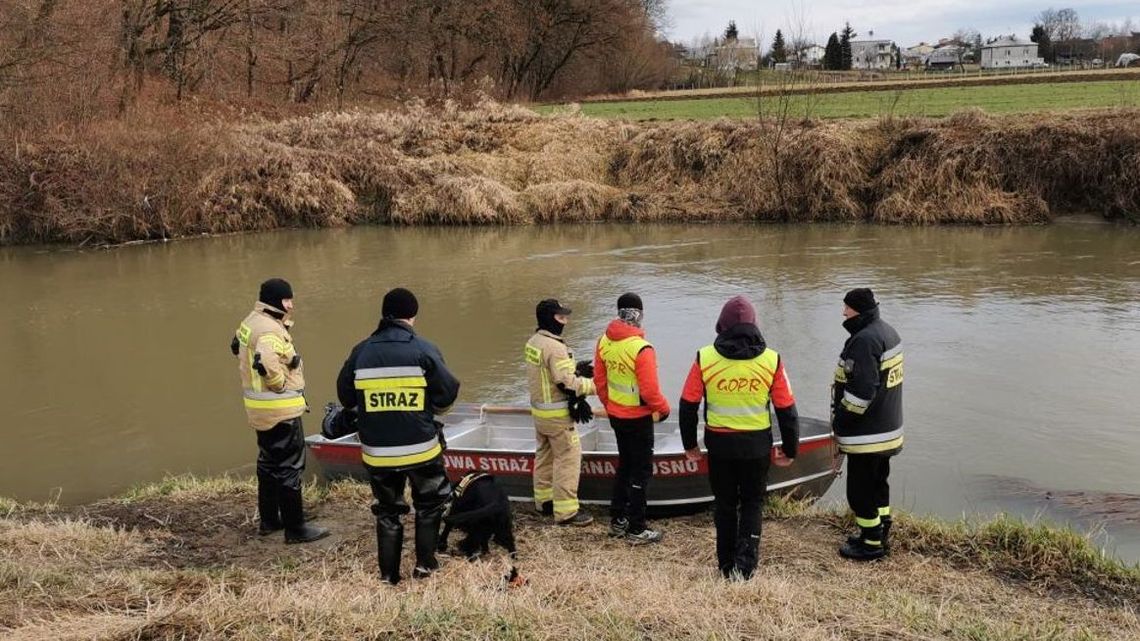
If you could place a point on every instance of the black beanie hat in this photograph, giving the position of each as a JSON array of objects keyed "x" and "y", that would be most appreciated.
[
  {"x": 275, "y": 290},
  {"x": 629, "y": 301},
  {"x": 861, "y": 300},
  {"x": 400, "y": 303}
]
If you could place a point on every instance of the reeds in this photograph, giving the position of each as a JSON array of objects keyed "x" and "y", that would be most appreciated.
[{"x": 495, "y": 164}]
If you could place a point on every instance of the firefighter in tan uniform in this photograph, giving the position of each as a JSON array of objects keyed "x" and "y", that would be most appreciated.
[
  {"x": 273, "y": 383},
  {"x": 554, "y": 387}
]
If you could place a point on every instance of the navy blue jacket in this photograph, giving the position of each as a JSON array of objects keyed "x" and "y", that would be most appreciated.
[{"x": 393, "y": 417}]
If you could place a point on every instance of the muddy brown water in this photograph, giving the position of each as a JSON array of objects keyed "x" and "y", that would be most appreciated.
[{"x": 1023, "y": 344}]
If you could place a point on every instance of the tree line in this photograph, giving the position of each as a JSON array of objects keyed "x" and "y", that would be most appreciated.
[{"x": 305, "y": 51}]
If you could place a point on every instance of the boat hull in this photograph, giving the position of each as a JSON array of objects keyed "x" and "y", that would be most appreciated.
[{"x": 502, "y": 444}]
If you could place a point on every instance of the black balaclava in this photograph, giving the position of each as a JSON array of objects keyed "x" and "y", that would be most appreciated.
[
  {"x": 544, "y": 313},
  {"x": 273, "y": 291}
]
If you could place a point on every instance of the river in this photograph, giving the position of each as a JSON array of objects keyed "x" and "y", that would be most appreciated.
[{"x": 1022, "y": 344}]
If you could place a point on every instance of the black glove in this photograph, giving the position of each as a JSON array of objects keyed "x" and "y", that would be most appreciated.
[
  {"x": 585, "y": 369},
  {"x": 295, "y": 362},
  {"x": 580, "y": 409},
  {"x": 235, "y": 345},
  {"x": 257, "y": 366}
]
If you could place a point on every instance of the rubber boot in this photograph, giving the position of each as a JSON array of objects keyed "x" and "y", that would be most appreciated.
[
  {"x": 854, "y": 538},
  {"x": 293, "y": 517},
  {"x": 427, "y": 537},
  {"x": 268, "y": 506},
  {"x": 868, "y": 548},
  {"x": 389, "y": 542}
]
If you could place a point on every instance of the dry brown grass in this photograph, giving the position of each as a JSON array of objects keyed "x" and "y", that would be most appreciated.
[
  {"x": 175, "y": 579},
  {"x": 495, "y": 164}
]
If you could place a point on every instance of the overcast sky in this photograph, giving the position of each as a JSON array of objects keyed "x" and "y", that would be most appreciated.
[{"x": 905, "y": 21}]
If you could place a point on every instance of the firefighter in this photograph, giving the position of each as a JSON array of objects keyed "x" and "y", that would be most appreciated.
[
  {"x": 397, "y": 383},
  {"x": 866, "y": 410},
  {"x": 739, "y": 377},
  {"x": 625, "y": 375},
  {"x": 273, "y": 383},
  {"x": 557, "y": 399}
]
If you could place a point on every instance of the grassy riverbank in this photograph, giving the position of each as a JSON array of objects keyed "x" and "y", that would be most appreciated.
[
  {"x": 180, "y": 560},
  {"x": 170, "y": 177}
]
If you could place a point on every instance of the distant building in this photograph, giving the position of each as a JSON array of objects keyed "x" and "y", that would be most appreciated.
[
  {"x": 1078, "y": 51},
  {"x": 916, "y": 56},
  {"x": 873, "y": 54},
  {"x": 741, "y": 54},
  {"x": 945, "y": 58},
  {"x": 1010, "y": 53},
  {"x": 809, "y": 56}
]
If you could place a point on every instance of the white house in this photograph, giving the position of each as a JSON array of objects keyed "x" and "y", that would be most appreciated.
[
  {"x": 1009, "y": 53},
  {"x": 810, "y": 56},
  {"x": 873, "y": 54},
  {"x": 740, "y": 54}
]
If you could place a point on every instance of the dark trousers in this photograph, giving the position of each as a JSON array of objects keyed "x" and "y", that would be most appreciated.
[
  {"x": 280, "y": 464},
  {"x": 738, "y": 487},
  {"x": 635, "y": 468},
  {"x": 868, "y": 492},
  {"x": 430, "y": 490}
]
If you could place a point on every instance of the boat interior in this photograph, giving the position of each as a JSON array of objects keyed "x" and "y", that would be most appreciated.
[{"x": 474, "y": 427}]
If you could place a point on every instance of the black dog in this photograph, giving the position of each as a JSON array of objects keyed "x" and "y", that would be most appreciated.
[{"x": 480, "y": 509}]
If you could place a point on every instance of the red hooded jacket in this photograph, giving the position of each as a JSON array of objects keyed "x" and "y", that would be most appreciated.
[{"x": 645, "y": 368}]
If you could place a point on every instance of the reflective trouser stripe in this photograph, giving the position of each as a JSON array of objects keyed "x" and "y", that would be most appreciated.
[
  {"x": 543, "y": 494},
  {"x": 400, "y": 455},
  {"x": 273, "y": 400},
  {"x": 861, "y": 522},
  {"x": 885, "y": 511},
  {"x": 566, "y": 506},
  {"x": 549, "y": 410}
]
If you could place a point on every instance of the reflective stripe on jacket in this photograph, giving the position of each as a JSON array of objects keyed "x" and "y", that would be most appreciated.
[
  {"x": 398, "y": 382},
  {"x": 867, "y": 392},
  {"x": 737, "y": 391},
  {"x": 550, "y": 363},
  {"x": 278, "y": 395}
]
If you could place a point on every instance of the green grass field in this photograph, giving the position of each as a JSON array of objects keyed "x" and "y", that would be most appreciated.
[{"x": 903, "y": 102}]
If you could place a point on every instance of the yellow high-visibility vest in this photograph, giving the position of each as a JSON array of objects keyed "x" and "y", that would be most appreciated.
[
  {"x": 620, "y": 358},
  {"x": 737, "y": 392}
]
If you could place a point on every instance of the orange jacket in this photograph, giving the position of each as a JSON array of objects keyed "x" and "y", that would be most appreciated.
[{"x": 645, "y": 368}]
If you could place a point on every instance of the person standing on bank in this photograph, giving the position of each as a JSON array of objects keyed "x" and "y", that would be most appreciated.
[
  {"x": 397, "y": 383},
  {"x": 625, "y": 375},
  {"x": 554, "y": 383},
  {"x": 739, "y": 377},
  {"x": 273, "y": 384},
  {"x": 866, "y": 411}
]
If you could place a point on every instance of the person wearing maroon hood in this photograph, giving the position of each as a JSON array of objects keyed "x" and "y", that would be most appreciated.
[
  {"x": 625, "y": 375},
  {"x": 739, "y": 377}
]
